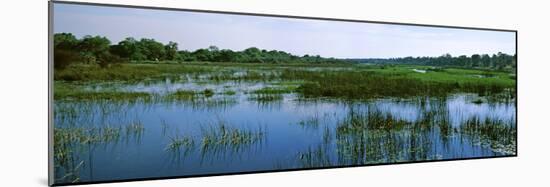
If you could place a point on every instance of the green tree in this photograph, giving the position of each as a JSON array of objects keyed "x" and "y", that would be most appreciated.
[
  {"x": 485, "y": 60},
  {"x": 203, "y": 55},
  {"x": 129, "y": 48},
  {"x": 91, "y": 47},
  {"x": 65, "y": 52},
  {"x": 185, "y": 56},
  {"x": 253, "y": 54},
  {"x": 152, "y": 49},
  {"x": 65, "y": 41},
  {"x": 171, "y": 50},
  {"x": 475, "y": 60}
]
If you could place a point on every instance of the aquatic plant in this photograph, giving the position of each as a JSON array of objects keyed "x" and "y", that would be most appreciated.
[
  {"x": 177, "y": 142},
  {"x": 273, "y": 90},
  {"x": 264, "y": 98},
  {"x": 498, "y": 135}
]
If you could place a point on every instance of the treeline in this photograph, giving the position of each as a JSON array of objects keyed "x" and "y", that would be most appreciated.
[
  {"x": 98, "y": 50},
  {"x": 496, "y": 61}
]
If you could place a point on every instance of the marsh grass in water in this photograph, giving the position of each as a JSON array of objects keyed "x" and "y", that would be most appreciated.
[
  {"x": 374, "y": 137},
  {"x": 274, "y": 90},
  {"x": 217, "y": 137},
  {"x": 312, "y": 122},
  {"x": 362, "y": 85},
  {"x": 72, "y": 141},
  {"x": 498, "y": 135},
  {"x": 266, "y": 98},
  {"x": 315, "y": 157},
  {"x": 229, "y": 92},
  {"x": 190, "y": 94},
  {"x": 353, "y": 135},
  {"x": 351, "y": 82},
  {"x": 127, "y": 72},
  {"x": 180, "y": 141},
  {"x": 222, "y": 135},
  {"x": 64, "y": 91}
]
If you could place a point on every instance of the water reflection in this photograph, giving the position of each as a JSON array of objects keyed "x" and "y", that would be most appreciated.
[{"x": 108, "y": 140}]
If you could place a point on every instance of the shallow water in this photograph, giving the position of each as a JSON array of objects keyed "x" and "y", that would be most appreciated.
[{"x": 293, "y": 132}]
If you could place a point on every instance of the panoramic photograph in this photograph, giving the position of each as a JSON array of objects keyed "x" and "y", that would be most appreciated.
[{"x": 149, "y": 93}]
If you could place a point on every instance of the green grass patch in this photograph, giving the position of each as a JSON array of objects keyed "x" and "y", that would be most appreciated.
[
  {"x": 264, "y": 98},
  {"x": 274, "y": 90},
  {"x": 64, "y": 91}
]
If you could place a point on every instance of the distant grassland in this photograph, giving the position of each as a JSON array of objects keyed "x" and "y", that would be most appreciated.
[{"x": 352, "y": 81}]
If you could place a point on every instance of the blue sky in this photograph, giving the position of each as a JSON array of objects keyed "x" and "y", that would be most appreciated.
[{"x": 192, "y": 30}]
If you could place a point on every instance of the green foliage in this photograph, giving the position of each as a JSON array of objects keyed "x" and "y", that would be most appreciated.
[
  {"x": 273, "y": 90},
  {"x": 65, "y": 41},
  {"x": 221, "y": 135},
  {"x": 64, "y": 58},
  {"x": 64, "y": 92},
  {"x": 266, "y": 98},
  {"x": 129, "y": 48},
  {"x": 124, "y": 72},
  {"x": 208, "y": 92},
  {"x": 95, "y": 50},
  {"x": 152, "y": 49},
  {"x": 64, "y": 53},
  {"x": 400, "y": 82},
  {"x": 499, "y": 61}
]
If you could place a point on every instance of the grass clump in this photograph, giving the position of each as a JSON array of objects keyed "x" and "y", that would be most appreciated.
[
  {"x": 103, "y": 95},
  {"x": 273, "y": 90},
  {"x": 395, "y": 82},
  {"x": 265, "y": 98},
  {"x": 177, "y": 142},
  {"x": 190, "y": 94},
  {"x": 371, "y": 120},
  {"x": 208, "y": 92},
  {"x": 183, "y": 95},
  {"x": 222, "y": 135},
  {"x": 478, "y": 101},
  {"x": 66, "y": 91},
  {"x": 126, "y": 72},
  {"x": 494, "y": 134},
  {"x": 229, "y": 92}
]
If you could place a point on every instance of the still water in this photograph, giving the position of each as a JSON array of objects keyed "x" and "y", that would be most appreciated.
[{"x": 285, "y": 133}]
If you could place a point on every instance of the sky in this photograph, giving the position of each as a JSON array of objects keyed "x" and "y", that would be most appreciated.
[{"x": 194, "y": 30}]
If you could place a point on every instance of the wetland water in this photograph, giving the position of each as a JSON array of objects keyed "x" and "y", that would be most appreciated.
[{"x": 234, "y": 128}]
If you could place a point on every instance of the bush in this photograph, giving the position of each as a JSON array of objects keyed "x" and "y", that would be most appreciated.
[{"x": 63, "y": 58}]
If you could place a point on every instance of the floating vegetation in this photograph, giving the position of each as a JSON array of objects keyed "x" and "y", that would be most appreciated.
[
  {"x": 477, "y": 101},
  {"x": 207, "y": 92},
  {"x": 273, "y": 90},
  {"x": 229, "y": 92},
  {"x": 497, "y": 135},
  {"x": 376, "y": 84},
  {"x": 190, "y": 94},
  {"x": 264, "y": 98},
  {"x": 183, "y": 95},
  {"x": 126, "y": 72},
  {"x": 102, "y": 95}
]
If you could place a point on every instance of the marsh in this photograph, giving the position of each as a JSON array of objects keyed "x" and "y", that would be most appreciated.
[{"x": 205, "y": 118}]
